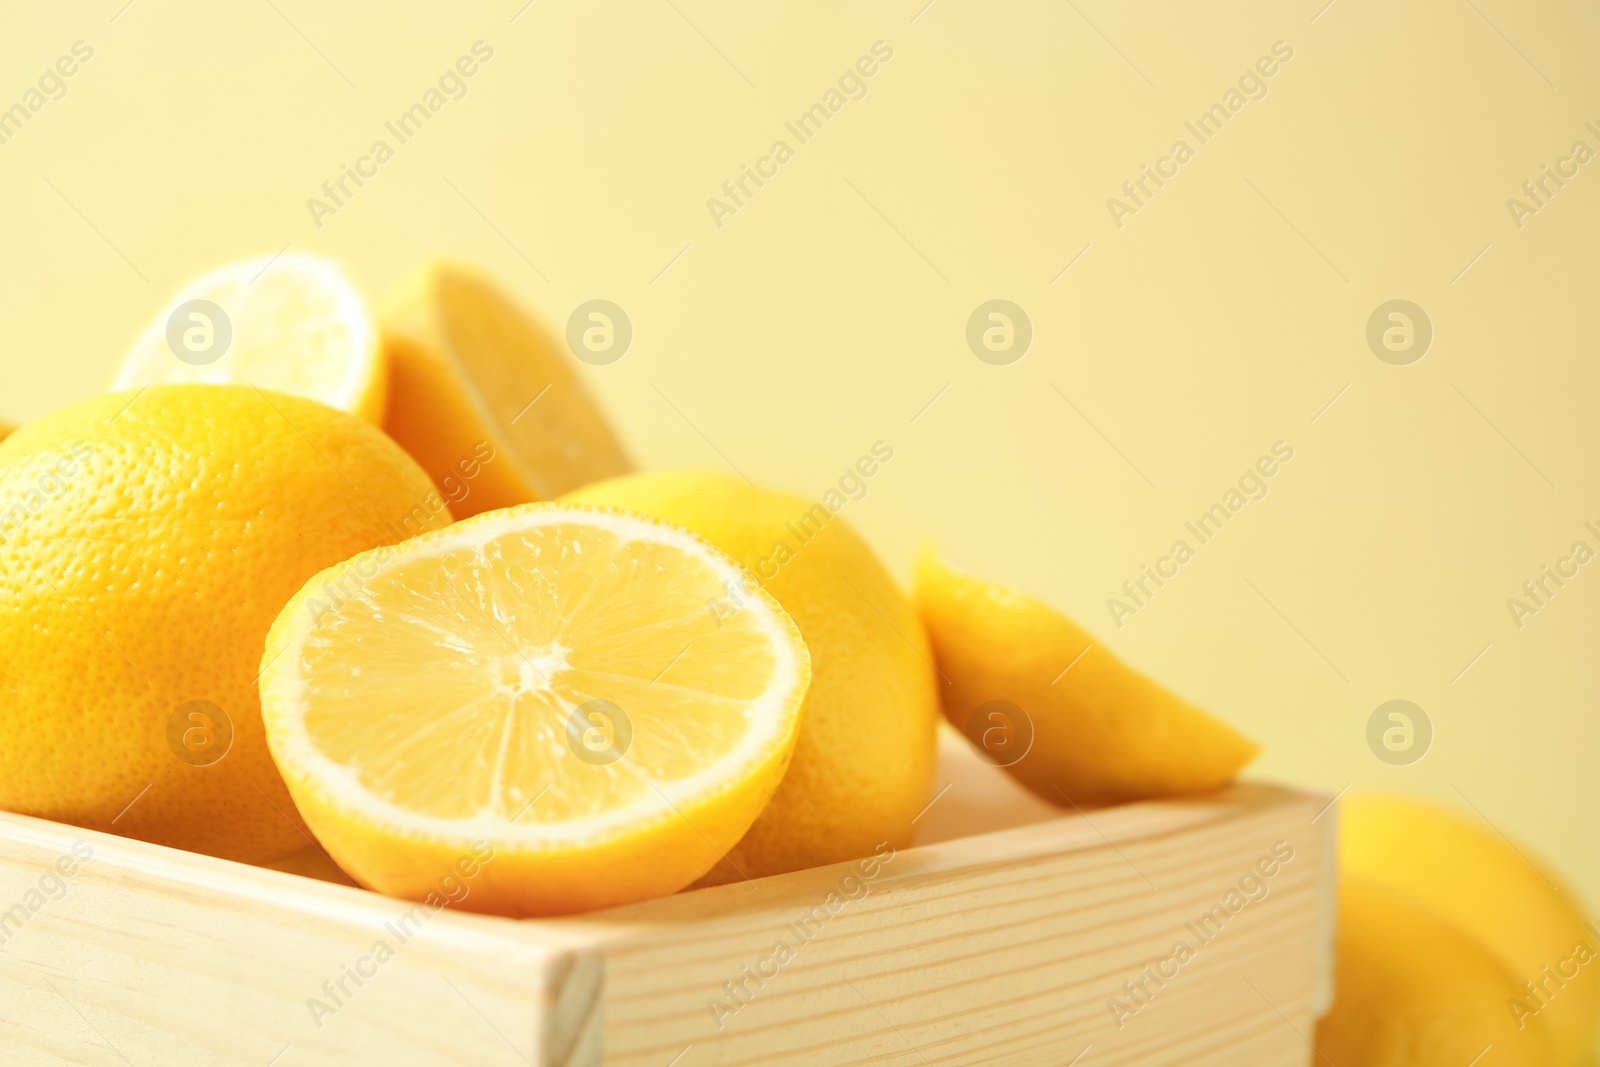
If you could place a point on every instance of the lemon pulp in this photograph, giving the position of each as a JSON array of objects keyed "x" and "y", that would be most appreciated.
[
  {"x": 291, "y": 323},
  {"x": 563, "y": 682}
]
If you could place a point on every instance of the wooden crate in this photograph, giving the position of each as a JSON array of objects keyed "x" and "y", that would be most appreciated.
[{"x": 1005, "y": 937}]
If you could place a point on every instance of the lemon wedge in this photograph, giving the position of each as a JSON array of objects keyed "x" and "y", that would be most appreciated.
[
  {"x": 1036, "y": 694},
  {"x": 485, "y": 397},
  {"x": 291, "y": 323},
  {"x": 555, "y": 707}
]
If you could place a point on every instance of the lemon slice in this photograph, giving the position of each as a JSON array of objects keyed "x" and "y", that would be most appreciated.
[
  {"x": 293, "y": 324},
  {"x": 557, "y": 707}
]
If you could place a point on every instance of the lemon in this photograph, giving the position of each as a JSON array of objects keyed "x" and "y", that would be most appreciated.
[
  {"x": 291, "y": 323},
  {"x": 1415, "y": 991},
  {"x": 1469, "y": 876},
  {"x": 6, "y": 429},
  {"x": 147, "y": 541},
  {"x": 542, "y": 701},
  {"x": 484, "y": 398},
  {"x": 863, "y": 767},
  {"x": 1070, "y": 720}
]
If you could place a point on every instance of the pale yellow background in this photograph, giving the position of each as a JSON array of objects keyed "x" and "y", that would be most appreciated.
[{"x": 825, "y": 314}]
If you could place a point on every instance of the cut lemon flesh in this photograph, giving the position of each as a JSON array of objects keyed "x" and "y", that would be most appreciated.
[
  {"x": 605, "y": 702},
  {"x": 293, "y": 324}
]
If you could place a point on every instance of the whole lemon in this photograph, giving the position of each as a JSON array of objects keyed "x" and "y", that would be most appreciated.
[
  {"x": 1414, "y": 990},
  {"x": 1480, "y": 883},
  {"x": 147, "y": 541},
  {"x": 864, "y": 762}
]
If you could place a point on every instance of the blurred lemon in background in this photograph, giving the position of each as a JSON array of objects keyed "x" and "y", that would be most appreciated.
[
  {"x": 1478, "y": 882},
  {"x": 291, "y": 323},
  {"x": 1416, "y": 991}
]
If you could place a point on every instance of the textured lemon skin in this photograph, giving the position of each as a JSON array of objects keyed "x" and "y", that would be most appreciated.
[
  {"x": 472, "y": 374},
  {"x": 146, "y": 575},
  {"x": 1469, "y": 876},
  {"x": 646, "y": 860},
  {"x": 863, "y": 767},
  {"x": 1415, "y": 991},
  {"x": 1103, "y": 732}
]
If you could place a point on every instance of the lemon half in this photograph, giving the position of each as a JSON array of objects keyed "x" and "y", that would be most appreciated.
[
  {"x": 291, "y": 323},
  {"x": 602, "y": 703}
]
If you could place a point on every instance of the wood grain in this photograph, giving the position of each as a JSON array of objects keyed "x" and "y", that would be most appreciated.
[
  {"x": 156, "y": 956},
  {"x": 1003, "y": 947}
]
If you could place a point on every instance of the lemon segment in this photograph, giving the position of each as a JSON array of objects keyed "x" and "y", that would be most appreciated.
[
  {"x": 293, "y": 324},
  {"x": 1058, "y": 710},
  {"x": 605, "y": 701}
]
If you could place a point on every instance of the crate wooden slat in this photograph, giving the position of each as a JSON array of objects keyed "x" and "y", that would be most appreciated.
[{"x": 999, "y": 947}]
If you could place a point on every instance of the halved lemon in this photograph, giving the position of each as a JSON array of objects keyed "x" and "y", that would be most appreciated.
[
  {"x": 536, "y": 711},
  {"x": 291, "y": 323}
]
